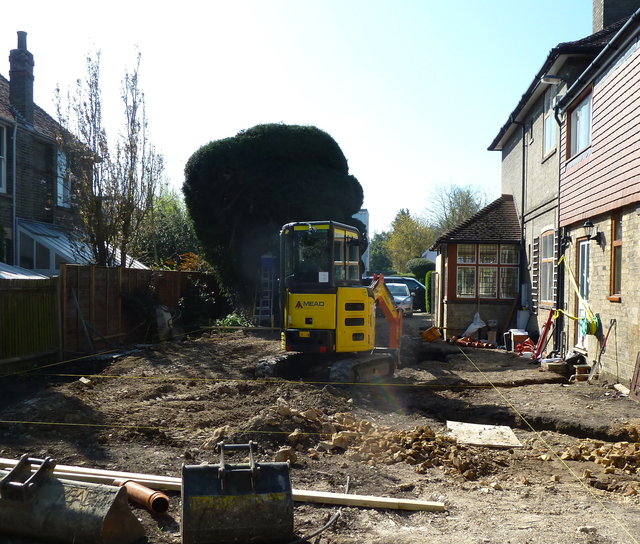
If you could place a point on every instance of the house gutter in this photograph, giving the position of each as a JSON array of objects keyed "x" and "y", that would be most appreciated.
[
  {"x": 14, "y": 192},
  {"x": 597, "y": 64}
]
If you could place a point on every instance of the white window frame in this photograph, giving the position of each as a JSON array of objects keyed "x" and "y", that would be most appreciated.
[
  {"x": 63, "y": 185},
  {"x": 3, "y": 159},
  {"x": 546, "y": 267},
  {"x": 580, "y": 126}
]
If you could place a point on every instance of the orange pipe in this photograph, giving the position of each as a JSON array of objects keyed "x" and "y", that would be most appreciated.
[{"x": 154, "y": 501}]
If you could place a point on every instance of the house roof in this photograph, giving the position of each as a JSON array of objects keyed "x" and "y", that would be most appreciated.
[
  {"x": 43, "y": 123},
  {"x": 8, "y": 272},
  {"x": 613, "y": 48},
  {"x": 65, "y": 244},
  {"x": 495, "y": 223},
  {"x": 589, "y": 47}
]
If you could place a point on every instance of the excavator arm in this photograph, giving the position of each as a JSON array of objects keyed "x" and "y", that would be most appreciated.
[{"x": 384, "y": 298}]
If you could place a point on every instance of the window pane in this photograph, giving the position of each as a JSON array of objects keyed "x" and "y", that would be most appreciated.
[
  {"x": 546, "y": 281},
  {"x": 466, "y": 253},
  {"x": 26, "y": 251},
  {"x": 547, "y": 246},
  {"x": 617, "y": 270},
  {"x": 581, "y": 126},
  {"x": 509, "y": 254},
  {"x": 550, "y": 128},
  {"x": 508, "y": 282},
  {"x": 618, "y": 228},
  {"x": 488, "y": 253},
  {"x": 488, "y": 281},
  {"x": 466, "y": 282},
  {"x": 42, "y": 257}
]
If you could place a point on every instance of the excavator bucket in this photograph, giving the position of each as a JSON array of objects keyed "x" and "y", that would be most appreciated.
[
  {"x": 226, "y": 504},
  {"x": 39, "y": 505}
]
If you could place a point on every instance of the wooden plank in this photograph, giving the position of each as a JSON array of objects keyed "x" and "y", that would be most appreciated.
[
  {"x": 172, "y": 483},
  {"x": 634, "y": 390},
  {"x": 495, "y": 436}
]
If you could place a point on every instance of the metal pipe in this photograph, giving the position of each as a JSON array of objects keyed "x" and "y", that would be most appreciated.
[
  {"x": 14, "y": 216},
  {"x": 154, "y": 501}
]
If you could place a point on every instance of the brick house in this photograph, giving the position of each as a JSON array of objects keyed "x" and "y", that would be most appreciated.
[
  {"x": 36, "y": 212},
  {"x": 599, "y": 157},
  {"x": 478, "y": 269},
  {"x": 529, "y": 144},
  {"x": 33, "y": 190}
]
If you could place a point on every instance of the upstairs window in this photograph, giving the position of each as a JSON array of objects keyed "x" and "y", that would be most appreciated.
[
  {"x": 63, "y": 186},
  {"x": 580, "y": 126},
  {"x": 550, "y": 126},
  {"x": 3, "y": 159}
]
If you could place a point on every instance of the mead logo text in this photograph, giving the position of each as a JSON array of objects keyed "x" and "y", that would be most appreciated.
[{"x": 309, "y": 304}]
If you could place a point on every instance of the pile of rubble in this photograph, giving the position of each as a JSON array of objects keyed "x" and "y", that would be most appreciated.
[
  {"x": 624, "y": 456},
  {"x": 315, "y": 433}
]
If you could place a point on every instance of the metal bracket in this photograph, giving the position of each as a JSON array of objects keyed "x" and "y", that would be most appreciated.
[
  {"x": 252, "y": 447},
  {"x": 20, "y": 484}
]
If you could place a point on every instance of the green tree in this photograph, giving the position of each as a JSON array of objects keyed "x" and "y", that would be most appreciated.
[
  {"x": 379, "y": 259},
  {"x": 452, "y": 206},
  {"x": 409, "y": 238},
  {"x": 419, "y": 267},
  {"x": 241, "y": 190},
  {"x": 167, "y": 232}
]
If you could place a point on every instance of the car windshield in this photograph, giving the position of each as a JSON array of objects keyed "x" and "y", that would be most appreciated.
[{"x": 398, "y": 289}]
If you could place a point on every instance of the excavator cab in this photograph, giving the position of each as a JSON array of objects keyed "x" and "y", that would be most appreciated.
[{"x": 325, "y": 307}]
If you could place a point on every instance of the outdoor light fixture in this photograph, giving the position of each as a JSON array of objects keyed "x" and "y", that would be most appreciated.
[{"x": 591, "y": 232}]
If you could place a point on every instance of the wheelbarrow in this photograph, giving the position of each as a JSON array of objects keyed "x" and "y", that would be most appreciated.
[
  {"x": 242, "y": 503},
  {"x": 36, "y": 504}
]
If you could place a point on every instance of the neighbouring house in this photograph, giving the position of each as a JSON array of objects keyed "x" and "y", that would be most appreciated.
[
  {"x": 36, "y": 211},
  {"x": 569, "y": 157},
  {"x": 32, "y": 187},
  {"x": 478, "y": 269}
]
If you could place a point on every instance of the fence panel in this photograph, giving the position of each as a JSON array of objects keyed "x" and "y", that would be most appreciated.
[
  {"x": 105, "y": 307},
  {"x": 29, "y": 322}
]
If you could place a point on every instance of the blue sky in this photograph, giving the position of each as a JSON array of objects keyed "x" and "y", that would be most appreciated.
[{"x": 413, "y": 91}]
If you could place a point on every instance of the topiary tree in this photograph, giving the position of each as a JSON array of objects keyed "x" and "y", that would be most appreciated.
[{"x": 241, "y": 190}]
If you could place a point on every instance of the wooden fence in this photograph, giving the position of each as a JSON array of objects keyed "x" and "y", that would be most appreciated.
[
  {"x": 85, "y": 310},
  {"x": 105, "y": 307},
  {"x": 29, "y": 325}
]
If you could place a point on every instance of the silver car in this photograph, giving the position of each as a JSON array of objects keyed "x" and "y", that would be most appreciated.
[{"x": 402, "y": 297}]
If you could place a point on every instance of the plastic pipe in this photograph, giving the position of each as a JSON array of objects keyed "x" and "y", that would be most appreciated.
[{"x": 155, "y": 501}]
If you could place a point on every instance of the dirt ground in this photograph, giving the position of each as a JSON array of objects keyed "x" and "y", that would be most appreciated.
[{"x": 574, "y": 480}]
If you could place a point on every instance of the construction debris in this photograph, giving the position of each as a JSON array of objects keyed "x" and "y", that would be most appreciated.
[{"x": 623, "y": 456}]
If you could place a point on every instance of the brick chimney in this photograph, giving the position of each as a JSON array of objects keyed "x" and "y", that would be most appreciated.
[
  {"x": 21, "y": 79},
  {"x": 606, "y": 12}
]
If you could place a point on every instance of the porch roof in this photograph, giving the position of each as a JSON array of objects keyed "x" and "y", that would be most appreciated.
[{"x": 496, "y": 223}]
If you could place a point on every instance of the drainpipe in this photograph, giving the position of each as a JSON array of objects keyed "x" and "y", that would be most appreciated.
[
  {"x": 558, "y": 340},
  {"x": 14, "y": 192},
  {"x": 522, "y": 204}
]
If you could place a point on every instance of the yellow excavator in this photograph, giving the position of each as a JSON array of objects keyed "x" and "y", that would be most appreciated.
[{"x": 325, "y": 308}]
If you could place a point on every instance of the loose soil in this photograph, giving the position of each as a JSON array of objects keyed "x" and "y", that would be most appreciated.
[{"x": 575, "y": 480}]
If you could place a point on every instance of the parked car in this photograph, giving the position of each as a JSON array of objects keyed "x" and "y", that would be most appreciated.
[
  {"x": 416, "y": 289},
  {"x": 402, "y": 297}
]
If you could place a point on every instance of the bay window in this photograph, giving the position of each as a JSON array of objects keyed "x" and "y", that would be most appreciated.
[{"x": 488, "y": 271}]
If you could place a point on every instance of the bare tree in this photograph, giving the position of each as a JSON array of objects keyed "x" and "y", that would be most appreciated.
[
  {"x": 113, "y": 185},
  {"x": 453, "y": 205}
]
